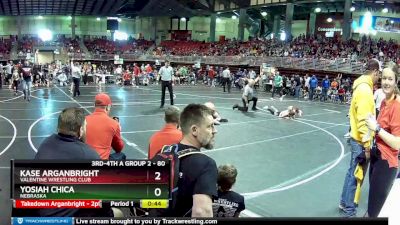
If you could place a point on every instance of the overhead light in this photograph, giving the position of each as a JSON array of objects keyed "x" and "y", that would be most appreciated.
[
  {"x": 264, "y": 13},
  {"x": 40, "y": 17},
  {"x": 119, "y": 20},
  {"x": 183, "y": 19},
  {"x": 385, "y": 10},
  {"x": 98, "y": 18},
  {"x": 329, "y": 20},
  {"x": 352, "y": 9},
  {"x": 317, "y": 10},
  {"x": 234, "y": 17},
  {"x": 392, "y": 22},
  {"x": 118, "y": 35},
  {"x": 70, "y": 17},
  {"x": 45, "y": 35},
  {"x": 283, "y": 36}
]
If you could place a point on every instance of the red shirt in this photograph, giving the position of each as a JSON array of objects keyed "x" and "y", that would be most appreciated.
[
  {"x": 127, "y": 76},
  {"x": 389, "y": 120},
  {"x": 136, "y": 71},
  {"x": 168, "y": 135},
  {"x": 103, "y": 133},
  {"x": 211, "y": 73}
]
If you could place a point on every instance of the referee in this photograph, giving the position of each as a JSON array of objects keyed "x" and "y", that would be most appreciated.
[{"x": 166, "y": 81}]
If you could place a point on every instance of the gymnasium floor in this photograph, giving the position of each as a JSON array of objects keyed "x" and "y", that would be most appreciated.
[{"x": 287, "y": 168}]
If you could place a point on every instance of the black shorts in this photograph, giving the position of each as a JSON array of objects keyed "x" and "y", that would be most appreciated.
[{"x": 9, "y": 76}]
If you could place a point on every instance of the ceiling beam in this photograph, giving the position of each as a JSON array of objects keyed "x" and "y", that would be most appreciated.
[
  {"x": 9, "y": 6},
  {"x": 106, "y": 8},
  {"x": 2, "y": 8},
  {"x": 74, "y": 9},
  {"x": 117, "y": 6},
  {"x": 97, "y": 7},
  {"x": 92, "y": 8},
  {"x": 84, "y": 6}
]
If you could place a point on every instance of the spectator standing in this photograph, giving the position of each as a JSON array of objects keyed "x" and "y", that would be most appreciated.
[
  {"x": 325, "y": 87},
  {"x": 103, "y": 133},
  {"x": 297, "y": 87},
  {"x": 362, "y": 104},
  {"x": 136, "y": 73},
  {"x": 384, "y": 157},
  {"x": 313, "y": 86},
  {"x": 278, "y": 83},
  {"x": 9, "y": 68}
]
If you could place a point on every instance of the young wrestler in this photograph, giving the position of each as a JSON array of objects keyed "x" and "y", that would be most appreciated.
[
  {"x": 217, "y": 118},
  {"x": 290, "y": 113}
]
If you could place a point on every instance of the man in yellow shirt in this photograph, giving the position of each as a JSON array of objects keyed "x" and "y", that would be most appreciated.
[{"x": 362, "y": 105}]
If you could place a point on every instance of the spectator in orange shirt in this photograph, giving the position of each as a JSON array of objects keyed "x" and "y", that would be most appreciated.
[
  {"x": 334, "y": 84},
  {"x": 169, "y": 134},
  {"x": 103, "y": 133}
]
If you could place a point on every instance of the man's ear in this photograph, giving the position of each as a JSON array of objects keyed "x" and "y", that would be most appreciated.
[
  {"x": 194, "y": 130},
  {"x": 81, "y": 131}
]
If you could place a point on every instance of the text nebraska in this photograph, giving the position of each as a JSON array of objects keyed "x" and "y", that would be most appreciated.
[{"x": 46, "y": 189}]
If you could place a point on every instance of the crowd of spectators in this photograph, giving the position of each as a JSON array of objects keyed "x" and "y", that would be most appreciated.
[
  {"x": 71, "y": 45},
  {"x": 25, "y": 45},
  {"x": 5, "y": 46},
  {"x": 104, "y": 46},
  {"x": 300, "y": 47}
]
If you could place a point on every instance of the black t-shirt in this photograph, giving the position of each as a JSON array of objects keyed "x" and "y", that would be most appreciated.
[
  {"x": 228, "y": 204},
  {"x": 26, "y": 72},
  {"x": 297, "y": 79},
  {"x": 198, "y": 176}
]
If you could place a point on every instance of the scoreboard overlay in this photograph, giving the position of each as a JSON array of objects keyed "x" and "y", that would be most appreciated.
[{"x": 88, "y": 184}]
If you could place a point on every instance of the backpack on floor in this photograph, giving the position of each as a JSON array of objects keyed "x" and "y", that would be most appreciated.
[{"x": 172, "y": 153}]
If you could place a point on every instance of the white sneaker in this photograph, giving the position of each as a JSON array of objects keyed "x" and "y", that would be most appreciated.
[
  {"x": 347, "y": 135},
  {"x": 265, "y": 107}
]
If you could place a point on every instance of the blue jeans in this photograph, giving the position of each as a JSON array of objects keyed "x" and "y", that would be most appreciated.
[
  {"x": 324, "y": 96},
  {"x": 27, "y": 86},
  {"x": 297, "y": 92},
  {"x": 350, "y": 182},
  {"x": 311, "y": 94}
]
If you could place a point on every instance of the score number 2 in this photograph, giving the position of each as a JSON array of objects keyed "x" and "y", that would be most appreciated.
[{"x": 157, "y": 176}]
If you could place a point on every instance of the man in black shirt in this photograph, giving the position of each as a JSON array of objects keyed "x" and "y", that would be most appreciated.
[
  {"x": 197, "y": 183},
  {"x": 297, "y": 87}
]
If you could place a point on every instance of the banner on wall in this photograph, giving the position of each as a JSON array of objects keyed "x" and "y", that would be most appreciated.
[
  {"x": 387, "y": 24},
  {"x": 377, "y": 24}
]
